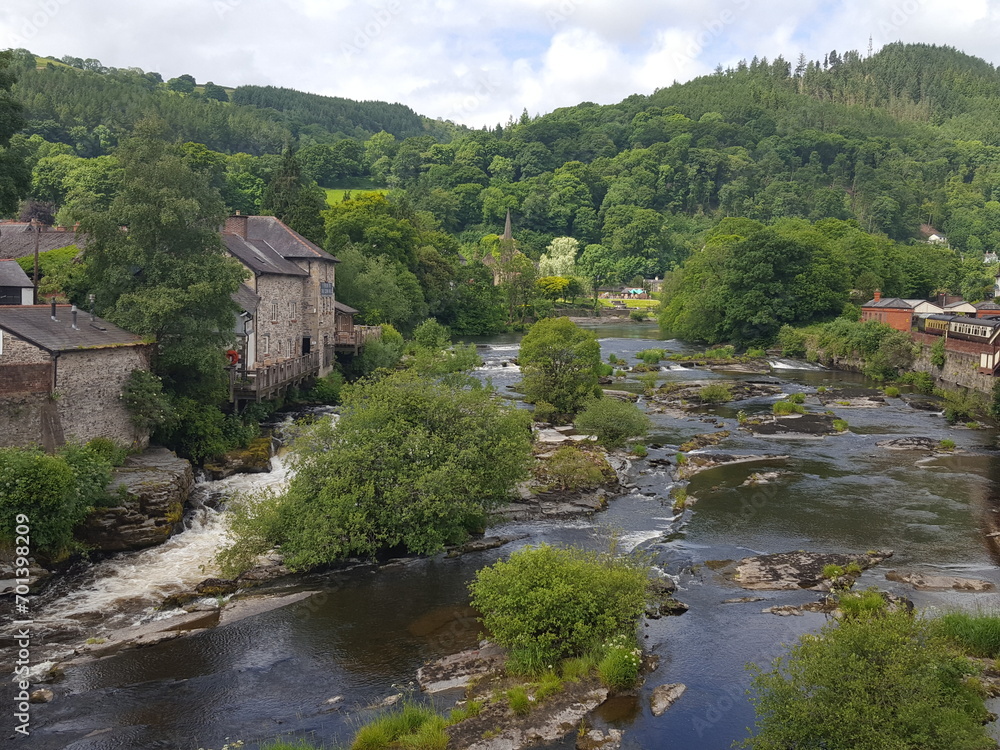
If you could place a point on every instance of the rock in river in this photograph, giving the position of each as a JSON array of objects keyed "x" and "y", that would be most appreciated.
[
  {"x": 939, "y": 583},
  {"x": 797, "y": 570},
  {"x": 151, "y": 489},
  {"x": 664, "y": 696}
]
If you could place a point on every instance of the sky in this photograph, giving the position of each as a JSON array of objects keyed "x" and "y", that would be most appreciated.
[{"x": 478, "y": 62}]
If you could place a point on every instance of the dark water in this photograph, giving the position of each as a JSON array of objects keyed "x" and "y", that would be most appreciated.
[{"x": 366, "y": 633}]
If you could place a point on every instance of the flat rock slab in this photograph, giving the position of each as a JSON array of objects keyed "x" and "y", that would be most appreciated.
[
  {"x": 909, "y": 444},
  {"x": 787, "y": 571},
  {"x": 925, "y": 582},
  {"x": 595, "y": 739},
  {"x": 806, "y": 425},
  {"x": 458, "y": 670},
  {"x": 664, "y": 696}
]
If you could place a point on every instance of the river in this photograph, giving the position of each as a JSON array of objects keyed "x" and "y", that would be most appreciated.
[{"x": 309, "y": 669}]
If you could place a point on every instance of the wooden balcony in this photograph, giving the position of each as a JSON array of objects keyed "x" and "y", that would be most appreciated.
[{"x": 272, "y": 379}]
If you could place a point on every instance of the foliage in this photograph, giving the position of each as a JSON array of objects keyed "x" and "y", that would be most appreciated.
[
  {"x": 891, "y": 391},
  {"x": 550, "y": 602},
  {"x": 559, "y": 361},
  {"x": 559, "y": 258},
  {"x": 458, "y": 358},
  {"x": 651, "y": 356},
  {"x": 922, "y": 382},
  {"x": 938, "y": 353},
  {"x": 783, "y": 408},
  {"x": 880, "y": 679},
  {"x": 54, "y": 491},
  {"x": 571, "y": 468},
  {"x": 326, "y": 390},
  {"x": 198, "y": 431},
  {"x": 410, "y": 463},
  {"x": 791, "y": 341},
  {"x": 15, "y": 174},
  {"x": 296, "y": 201},
  {"x": 56, "y": 268},
  {"x": 613, "y": 421},
  {"x": 961, "y": 405},
  {"x": 976, "y": 634},
  {"x": 517, "y": 698},
  {"x": 382, "y": 353},
  {"x": 716, "y": 393},
  {"x": 432, "y": 335},
  {"x": 947, "y": 444},
  {"x": 885, "y": 351},
  {"x": 413, "y": 726},
  {"x": 166, "y": 277},
  {"x": 619, "y": 665},
  {"x": 840, "y": 425},
  {"x": 148, "y": 406}
]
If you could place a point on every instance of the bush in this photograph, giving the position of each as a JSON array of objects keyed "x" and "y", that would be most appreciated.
[
  {"x": 891, "y": 391},
  {"x": 559, "y": 361},
  {"x": 938, "y": 353},
  {"x": 410, "y": 463},
  {"x": 756, "y": 353},
  {"x": 432, "y": 335},
  {"x": 326, "y": 390},
  {"x": 43, "y": 487},
  {"x": 840, "y": 425},
  {"x": 716, "y": 393},
  {"x": 876, "y": 680},
  {"x": 553, "y": 602},
  {"x": 651, "y": 356},
  {"x": 922, "y": 382},
  {"x": 791, "y": 341},
  {"x": 612, "y": 421},
  {"x": 720, "y": 352},
  {"x": 637, "y": 316},
  {"x": 796, "y": 398},
  {"x": 148, "y": 406},
  {"x": 571, "y": 468},
  {"x": 961, "y": 405},
  {"x": 519, "y": 702},
  {"x": 947, "y": 445},
  {"x": 413, "y": 727}
]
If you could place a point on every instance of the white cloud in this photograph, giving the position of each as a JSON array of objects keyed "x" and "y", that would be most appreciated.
[{"x": 478, "y": 61}]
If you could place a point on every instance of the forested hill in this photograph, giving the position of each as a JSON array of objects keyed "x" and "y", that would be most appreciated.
[{"x": 89, "y": 106}]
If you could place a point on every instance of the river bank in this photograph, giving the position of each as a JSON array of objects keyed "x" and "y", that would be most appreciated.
[{"x": 361, "y": 633}]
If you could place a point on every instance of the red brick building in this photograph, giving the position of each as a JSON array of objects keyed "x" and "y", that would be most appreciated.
[{"x": 895, "y": 312}]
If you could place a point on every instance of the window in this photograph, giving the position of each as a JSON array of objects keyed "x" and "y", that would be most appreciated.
[
  {"x": 266, "y": 344},
  {"x": 274, "y": 312},
  {"x": 292, "y": 308},
  {"x": 279, "y": 348}
]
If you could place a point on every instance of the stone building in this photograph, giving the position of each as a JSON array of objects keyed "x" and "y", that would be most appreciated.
[{"x": 61, "y": 377}]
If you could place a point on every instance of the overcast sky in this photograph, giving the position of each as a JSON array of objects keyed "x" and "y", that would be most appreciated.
[{"x": 478, "y": 61}]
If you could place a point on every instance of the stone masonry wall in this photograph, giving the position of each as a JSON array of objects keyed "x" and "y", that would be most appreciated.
[
  {"x": 89, "y": 385},
  {"x": 281, "y": 290},
  {"x": 19, "y": 352},
  {"x": 960, "y": 369}
]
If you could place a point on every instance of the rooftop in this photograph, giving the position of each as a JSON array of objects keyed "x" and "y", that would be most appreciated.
[
  {"x": 260, "y": 257},
  {"x": 11, "y": 274},
  {"x": 17, "y": 239},
  {"x": 34, "y": 324}
]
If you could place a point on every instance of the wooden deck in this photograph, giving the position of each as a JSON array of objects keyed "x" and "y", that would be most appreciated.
[{"x": 271, "y": 380}]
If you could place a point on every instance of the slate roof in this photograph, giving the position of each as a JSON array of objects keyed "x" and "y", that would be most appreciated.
[
  {"x": 283, "y": 240},
  {"x": 34, "y": 324},
  {"x": 260, "y": 257},
  {"x": 11, "y": 274},
  {"x": 16, "y": 241},
  {"x": 246, "y": 298},
  {"x": 340, "y": 306},
  {"x": 894, "y": 303},
  {"x": 986, "y": 306}
]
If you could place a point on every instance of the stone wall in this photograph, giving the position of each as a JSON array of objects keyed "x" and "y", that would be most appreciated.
[
  {"x": 287, "y": 331},
  {"x": 19, "y": 352},
  {"x": 89, "y": 386},
  {"x": 960, "y": 369}
]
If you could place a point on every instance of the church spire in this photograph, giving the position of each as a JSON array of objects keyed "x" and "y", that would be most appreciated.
[{"x": 508, "y": 234}]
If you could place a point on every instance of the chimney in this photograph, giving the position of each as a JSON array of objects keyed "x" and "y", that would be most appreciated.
[
  {"x": 54, "y": 310},
  {"x": 236, "y": 225},
  {"x": 878, "y": 294},
  {"x": 73, "y": 312}
]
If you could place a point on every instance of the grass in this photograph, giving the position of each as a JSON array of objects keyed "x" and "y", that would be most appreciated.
[
  {"x": 518, "y": 699},
  {"x": 781, "y": 408},
  {"x": 619, "y": 667},
  {"x": 891, "y": 391},
  {"x": 840, "y": 425},
  {"x": 470, "y": 709},
  {"x": 947, "y": 445},
  {"x": 976, "y": 634},
  {"x": 716, "y": 393},
  {"x": 576, "y": 668},
  {"x": 415, "y": 727}
]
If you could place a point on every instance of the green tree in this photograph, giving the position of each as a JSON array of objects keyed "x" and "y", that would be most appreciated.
[
  {"x": 156, "y": 267},
  {"x": 613, "y": 421},
  {"x": 15, "y": 174},
  {"x": 411, "y": 463},
  {"x": 561, "y": 363},
  {"x": 559, "y": 259},
  {"x": 216, "y": 92},
  {"x": 297, "y": 202},
  {"x": 875, "y": 680}
]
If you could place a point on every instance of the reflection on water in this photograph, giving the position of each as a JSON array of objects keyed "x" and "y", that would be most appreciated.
[{"x": 367, "y": 631}]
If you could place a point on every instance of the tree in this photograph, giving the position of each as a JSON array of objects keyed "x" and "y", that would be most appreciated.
[
  {"x": 15, "y": 175},
  {"x": 560, "y": 362},
  {"x": 184, "y": 84},
  {"x": 411, "y": 464},
  {"x": 874, "y": 680},
  {"x": 156, "y": 267},
  {"x": 216, "y": 92},
  {"x": 298, "y": 203},
  {"x": 559, "y": 258}
]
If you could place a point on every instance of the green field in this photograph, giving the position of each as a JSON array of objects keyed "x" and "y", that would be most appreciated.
[{"x": 336, "y": 195}]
